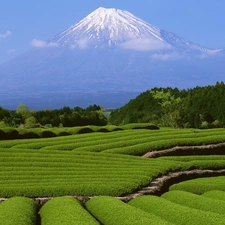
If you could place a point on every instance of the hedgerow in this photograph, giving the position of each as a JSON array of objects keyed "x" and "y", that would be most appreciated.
[
  {"x": 176, "y": 213},
  {"x": 195, "y": 201},
  {"x": 65, "y": 211},
  {"x": 9, "y": 133},
  {"x": 111, "y": 211},
  {"x": 201, "y": 185},
  {"x": 18, "y": 211},
  {"x": 215, "y": 194}
]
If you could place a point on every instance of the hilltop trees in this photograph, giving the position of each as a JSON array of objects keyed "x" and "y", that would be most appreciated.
[{"x": 200, "y": 107}]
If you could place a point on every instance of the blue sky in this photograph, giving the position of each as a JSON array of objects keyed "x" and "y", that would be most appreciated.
[{"x": 22, "y": 21}]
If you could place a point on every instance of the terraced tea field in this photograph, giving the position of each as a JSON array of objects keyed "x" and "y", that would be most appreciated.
[{"x": 109, "y": 165}]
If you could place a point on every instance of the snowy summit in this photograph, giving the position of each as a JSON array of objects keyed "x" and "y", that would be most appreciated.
[{"x": 113, "y": 27}]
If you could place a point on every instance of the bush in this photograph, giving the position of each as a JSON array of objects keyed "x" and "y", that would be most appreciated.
[
  {"x": 63, "y": 133},
  {"x": 47, "y": 134},
  {"x": 73, "y": 213},
  {"x": 85, "y": 130},
  {"x": 18, "y": 211},
  {"x": 176, "y": 213},
  {"x": 29, "y": 134},
  {"x": 103, "y": 130},
  {"x": 195, "y": 201},
  {"x": 204, "y": 125},
  {"x": 149, "y": 127},
  {"x": 3, "y": 135},
  {"x": 13, "y": 134},
  {"x": 111, "y": 211}
]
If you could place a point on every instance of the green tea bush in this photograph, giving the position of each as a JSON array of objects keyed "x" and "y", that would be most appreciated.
[
  {"x": 195, "y": 201},
  {"x": 47, "y": 134},
  {"x": 215, "y": 194},
  {"x": 103, "y": 130},
  {"x": 63, "y": 133},
  {"x": 29, "y": 135},
  {"x": 176, "y": 213},
  {"x": 111, "y": 211},
  {"x": 65, "y": 211},
  {"x": 149, "y": 127},
  {"x": 3, "y": 135},
  {"x": 18, "y": 211},
  {"x": 85, "y": 130},
  {"x": 201, "y": 185}
]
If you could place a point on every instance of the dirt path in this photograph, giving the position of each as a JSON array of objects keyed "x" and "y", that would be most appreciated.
[
  {"x": 212, "y": 149},
  {"x": 161, "y": 184}
]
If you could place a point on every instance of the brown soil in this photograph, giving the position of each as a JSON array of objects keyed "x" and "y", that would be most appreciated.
[{"x": 212, "y": 149}]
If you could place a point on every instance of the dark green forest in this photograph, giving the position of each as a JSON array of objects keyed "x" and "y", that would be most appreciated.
[
  {"x": 199, "y": 107},
  {"x": 64, "y": 117}
]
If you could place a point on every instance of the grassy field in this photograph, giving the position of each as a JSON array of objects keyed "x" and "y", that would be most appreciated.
[{"x": 105, "y": 164}]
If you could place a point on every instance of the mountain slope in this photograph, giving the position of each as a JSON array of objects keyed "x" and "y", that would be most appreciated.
[{"x": 107, "y": 58}]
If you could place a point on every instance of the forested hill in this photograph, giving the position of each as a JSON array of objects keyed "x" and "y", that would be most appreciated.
[{"x": 200, "y": 107}]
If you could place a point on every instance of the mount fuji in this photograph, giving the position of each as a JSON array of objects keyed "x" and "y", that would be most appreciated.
[{"x": 107, "y": 58}]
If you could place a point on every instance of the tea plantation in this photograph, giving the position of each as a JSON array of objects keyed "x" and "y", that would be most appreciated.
[{"x": 89, "y": 178}]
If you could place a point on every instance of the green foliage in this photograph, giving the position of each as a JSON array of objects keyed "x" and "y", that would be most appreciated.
[
  {"x": 195, "y": 201},
  {"x": 176, "y": 213},
  {"x": 18, "y": 211},
  {"x": 25, "y": 172},
  {"x": 64, "y": 117},
  {"x": 201, "y": 185},
  {"x": 65, "y": 211},
  {"x": 30, "y": 122},
  {"x": 23, "y": 110},
  {"x": 196, "y": 108},
  {"x": 215, "y": 194},
  {"x": 169, "y": 106},
  {"x": 111, "y": 211},
  {"x": 204, "y": 125}
]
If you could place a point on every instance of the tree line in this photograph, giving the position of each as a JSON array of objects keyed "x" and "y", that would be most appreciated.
[
  {"x": 199, "y": 107},
  {"x": 65, "y": 117}
]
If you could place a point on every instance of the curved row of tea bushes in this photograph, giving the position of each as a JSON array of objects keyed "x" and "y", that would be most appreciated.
[
  {"x": 58, "y": 173},
  {"x": 194, "y": 158},
  {"x": 176, "y": 213},
  {"x": 198, "y": 161},
  {"x": 195, "y": 201},
  {"x": 65, "y": 211},
  {"x": 201, "y": 185},
  {"x": 9, "y": 133},
  {"x": 111, "y": 211},
  {"x": 215, "y": 194},
  {"x": 164, "y": 143},
  {"x": 25, "y": 172},
  {"x": 18, "y": 211},
  {"x": 76, "y": 140},
  {"x": 83, "y": 140},
  {"x": 131, "y": 142}
]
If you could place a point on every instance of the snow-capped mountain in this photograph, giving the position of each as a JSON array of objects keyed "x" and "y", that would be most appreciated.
[
  {"x": 114, "y": 27},
  {"x": 108, "y": 27},
  {"x": 107, "y": 58}
]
